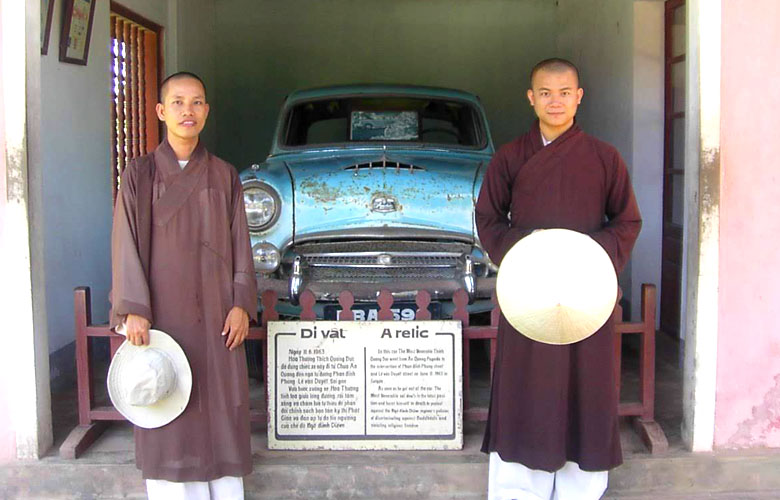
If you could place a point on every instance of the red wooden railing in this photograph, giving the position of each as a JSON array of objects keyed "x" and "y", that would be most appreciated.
[
  {"x": 93, "y": 419},
  {"x": 643, "y": 410}
]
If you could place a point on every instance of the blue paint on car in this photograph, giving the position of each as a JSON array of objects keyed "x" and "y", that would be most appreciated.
[{"x": 369, "y": 187}]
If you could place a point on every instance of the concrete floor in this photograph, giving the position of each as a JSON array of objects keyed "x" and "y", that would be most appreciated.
[{"x": 107, "y": 469}]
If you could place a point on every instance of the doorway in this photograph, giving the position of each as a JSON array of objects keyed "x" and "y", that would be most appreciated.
[{"x": 674, "y": 167}]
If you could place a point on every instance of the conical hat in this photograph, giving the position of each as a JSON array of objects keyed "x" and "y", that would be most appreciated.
[{"x": 557, "y": 286}]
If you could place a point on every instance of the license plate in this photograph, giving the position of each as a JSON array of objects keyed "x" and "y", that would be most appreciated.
[{"x": 402, "y": 311}]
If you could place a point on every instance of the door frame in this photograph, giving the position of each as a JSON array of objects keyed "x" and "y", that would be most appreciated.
[
  {"x": 699, "y": 322},
  {"x": 700, "y": 245}
]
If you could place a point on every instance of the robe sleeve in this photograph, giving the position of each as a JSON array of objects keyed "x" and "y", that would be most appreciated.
[
  {"x": 129, "y": 287},
  {"x": 494, "y": 228},
  {"x": 623, "y": 220},
  {"x": 244, "y": 281}
]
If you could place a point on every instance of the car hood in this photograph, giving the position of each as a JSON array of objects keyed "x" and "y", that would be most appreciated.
[{"x": 393, "y": 191}]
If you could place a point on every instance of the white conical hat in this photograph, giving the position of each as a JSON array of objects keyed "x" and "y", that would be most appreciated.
[
  {"x": 557, "y": 286},
  {"x": 150, "y": 385}
]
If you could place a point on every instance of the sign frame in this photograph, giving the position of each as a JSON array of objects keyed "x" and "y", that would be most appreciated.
[{"x": 373, "y": 346}]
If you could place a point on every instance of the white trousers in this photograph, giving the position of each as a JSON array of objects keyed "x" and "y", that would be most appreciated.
[
  {"x": 224, "y": 488},
  {"x": 513, "y": 481}
]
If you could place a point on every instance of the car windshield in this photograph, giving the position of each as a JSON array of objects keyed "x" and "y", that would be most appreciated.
[{"x": 383, "y": 119}]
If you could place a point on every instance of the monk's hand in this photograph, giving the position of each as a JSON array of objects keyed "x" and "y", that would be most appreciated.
[
  {"x": 137, "y": 329},
  {"x": 236, "y": 327}
]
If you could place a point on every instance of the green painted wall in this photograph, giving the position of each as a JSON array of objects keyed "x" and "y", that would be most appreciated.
[
  {"x": 194, "y": 42},
  {"x": 598, "y": 36},
  {"x": 266, "y": 48}
]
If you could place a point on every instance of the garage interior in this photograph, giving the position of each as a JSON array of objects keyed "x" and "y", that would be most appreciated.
[{"x": 252, "y": 53}]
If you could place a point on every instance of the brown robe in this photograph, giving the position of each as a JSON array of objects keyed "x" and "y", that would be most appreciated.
[
  {"x": 551, "y": 404},
  {"x": 183, "y": 261}
]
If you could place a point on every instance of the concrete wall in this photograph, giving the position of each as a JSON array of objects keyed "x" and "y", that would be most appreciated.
[
  {"x": 75, "y": 176},
  {"x": 267, "y": 48},
  {"x": 647, "y": 157},
  {"x": 598, "y": 37},
  {"x": 195, "y": 43},
  {"x": 701, "y": 226},
  {"x": 600, "y": 41},
  {"x": 24, "y": 367},
  {"x": 69, "y": 187},
  {"x": 747, "y": 412},
  {"x": 7, "y": 431}
]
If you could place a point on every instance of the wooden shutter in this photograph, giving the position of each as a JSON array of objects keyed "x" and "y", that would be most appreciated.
[{"x": 134, "y": 85}]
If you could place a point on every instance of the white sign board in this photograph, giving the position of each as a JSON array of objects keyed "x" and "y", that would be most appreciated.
[{"x": 365, "y": 385}]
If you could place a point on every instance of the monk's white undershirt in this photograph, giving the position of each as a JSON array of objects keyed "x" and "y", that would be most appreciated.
[{"x": 183, "y": 163}]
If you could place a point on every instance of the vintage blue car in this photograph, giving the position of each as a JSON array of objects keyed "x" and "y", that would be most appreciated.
[{"x": 369, "y": 187}]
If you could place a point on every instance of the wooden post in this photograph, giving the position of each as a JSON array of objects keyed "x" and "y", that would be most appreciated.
[
  {"x": 461, "y": 300},
  {"x": 269, "y": 300},
  {"x": 423, "y": 300},
  {"x": 346, "y": 300},
  {"x": 385, "y": 301},
  {"x": 82, "y": 311},
  {"x": 647, "y": 353},
  {"x": 88, "y": 430},
  {"x": 649, "y": 430},
  {"x": 307, "y": 306}
]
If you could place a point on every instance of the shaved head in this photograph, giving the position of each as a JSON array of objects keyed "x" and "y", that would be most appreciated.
[
  {"x": 178, "y": 76},
  {"x": 555, "y": 65}
]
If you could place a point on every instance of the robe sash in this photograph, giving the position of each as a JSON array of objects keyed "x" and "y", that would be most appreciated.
[
  {"x": 537, "y": 167},
  {"x": 143, "y": 211},
  {"x": 183, "y": 182}
]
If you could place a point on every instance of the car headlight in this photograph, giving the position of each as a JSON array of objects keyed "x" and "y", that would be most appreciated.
[
  {"x": 266, "y": 257},
  {"x": 262, "y": 205}
]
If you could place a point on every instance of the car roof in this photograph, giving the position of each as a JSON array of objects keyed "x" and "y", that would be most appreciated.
[{"x": 380, "y": 89}]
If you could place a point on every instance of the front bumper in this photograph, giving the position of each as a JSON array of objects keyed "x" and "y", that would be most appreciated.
[{"x": 441, "y": 290}]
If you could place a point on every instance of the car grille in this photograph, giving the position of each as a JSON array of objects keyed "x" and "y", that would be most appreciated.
[
  {"x": 381, "y": 261},
  {"x": 374, "y": 275},
  {"x": 384, "y": 164}
]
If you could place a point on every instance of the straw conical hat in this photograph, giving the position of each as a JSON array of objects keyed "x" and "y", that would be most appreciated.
[{"x": 557, "y": 286}]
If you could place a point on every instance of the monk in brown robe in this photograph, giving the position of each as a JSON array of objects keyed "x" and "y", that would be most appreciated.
[
  {"x": 552, "y": 430},
  {"x": 182, "y": 263}
]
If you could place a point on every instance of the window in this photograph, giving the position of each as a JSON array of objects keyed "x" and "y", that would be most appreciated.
[
  {"x": 385, "y": 118},
  {"x": 384, "y": 126},
  {"x": 135, "y": 77}
]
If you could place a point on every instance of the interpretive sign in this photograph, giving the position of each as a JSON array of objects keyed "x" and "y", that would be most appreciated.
[{"x": 365, "y": 385}]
